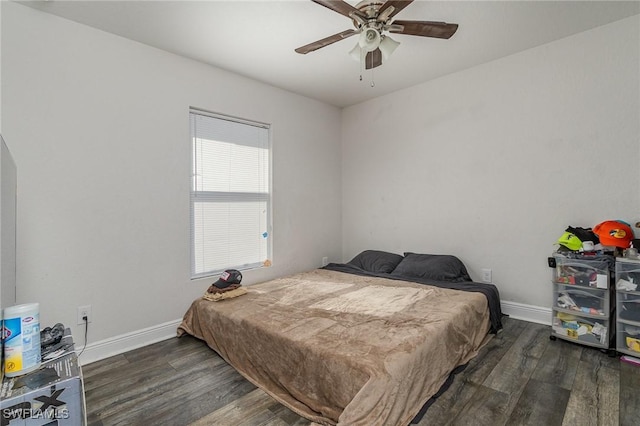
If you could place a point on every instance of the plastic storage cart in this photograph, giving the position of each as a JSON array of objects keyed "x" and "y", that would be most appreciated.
[
  {"x": 627, "y": 285},
  {"x": 582, "y": 311}
]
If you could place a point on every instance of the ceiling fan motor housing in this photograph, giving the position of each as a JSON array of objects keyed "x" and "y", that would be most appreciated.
[{"x": 369, "y": 8}]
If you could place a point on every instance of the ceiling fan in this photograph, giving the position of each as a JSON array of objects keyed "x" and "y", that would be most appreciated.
[{"x": 372, "y": 18}]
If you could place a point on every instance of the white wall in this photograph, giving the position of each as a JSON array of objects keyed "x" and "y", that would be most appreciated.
[
  {"x": 493, "y": 163},
  {"x": 100, "y": 131}
]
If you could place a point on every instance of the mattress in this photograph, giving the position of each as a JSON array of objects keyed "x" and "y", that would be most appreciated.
[{"x": 345, "y": 349}]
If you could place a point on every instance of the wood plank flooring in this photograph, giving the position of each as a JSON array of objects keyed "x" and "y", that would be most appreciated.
[{"x": 519, "y": 378}]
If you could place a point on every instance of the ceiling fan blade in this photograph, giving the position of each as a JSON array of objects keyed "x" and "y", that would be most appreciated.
[
  {"x": 425, "y": 28},
  {"x": 396, "y": 6},
  {"x": 373, "y": 59},
  {"x": 325, "y": 41},
  {"x": 341, "y": 7}
]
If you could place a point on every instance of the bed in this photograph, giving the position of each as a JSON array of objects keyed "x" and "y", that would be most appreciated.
[{"x": 365, "y": 343}]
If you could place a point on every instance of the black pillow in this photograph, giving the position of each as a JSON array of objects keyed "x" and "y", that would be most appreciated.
[
  {"x": 438, "y": 267},
  {"x": 376, "y": 261}
]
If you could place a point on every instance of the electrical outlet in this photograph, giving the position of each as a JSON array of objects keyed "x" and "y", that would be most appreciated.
[
  {"x": 325, "y": 261},
  {"x": 84, "y": 311},
  {"x": 486, "y": 275}
]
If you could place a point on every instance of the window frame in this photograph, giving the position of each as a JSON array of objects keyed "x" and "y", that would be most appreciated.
[{"x": 206, "y": 196}]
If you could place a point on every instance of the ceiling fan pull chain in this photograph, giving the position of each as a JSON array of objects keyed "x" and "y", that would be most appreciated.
[
  {"x": 373, "y": 83},
  {"x": 363, "y": 57}
]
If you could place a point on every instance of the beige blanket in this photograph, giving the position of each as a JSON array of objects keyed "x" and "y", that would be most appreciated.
[{"x": 343, "y": 349}]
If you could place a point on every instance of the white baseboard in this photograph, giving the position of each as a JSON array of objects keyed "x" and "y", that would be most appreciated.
[
  {"x": 529, "y": 313},
  {"x": 128, "y": 341},
  {"x": 137, "y": 339}
]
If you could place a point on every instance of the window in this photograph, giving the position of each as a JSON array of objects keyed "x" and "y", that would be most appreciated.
[{"x": 230, "y": 194}]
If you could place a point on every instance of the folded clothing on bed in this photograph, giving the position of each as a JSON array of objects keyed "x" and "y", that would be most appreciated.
[{"x": 226, "y": 294}]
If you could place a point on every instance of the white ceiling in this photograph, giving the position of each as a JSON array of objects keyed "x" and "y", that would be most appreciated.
[{"x": 257, "y": 38}]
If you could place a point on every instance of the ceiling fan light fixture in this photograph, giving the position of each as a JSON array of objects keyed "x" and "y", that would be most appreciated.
[
  {"x": 369, "y": 39},
  {"x": 387, "y": 46}
]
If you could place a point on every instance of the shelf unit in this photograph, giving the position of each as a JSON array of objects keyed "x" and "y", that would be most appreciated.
[
  {"x": 628, "y": 306},
  {"x": 582, "y": 311},
  {"x": 50, "y": 395}
]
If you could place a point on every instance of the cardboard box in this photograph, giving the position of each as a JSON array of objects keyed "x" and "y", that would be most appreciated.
[{"x": 51, "y": 395}]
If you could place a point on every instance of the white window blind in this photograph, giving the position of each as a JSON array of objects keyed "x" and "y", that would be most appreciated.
[{"x": 230, "y": 194}]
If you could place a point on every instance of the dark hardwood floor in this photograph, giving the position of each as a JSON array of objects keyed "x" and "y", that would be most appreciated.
[{"x": 519, "y": 378}]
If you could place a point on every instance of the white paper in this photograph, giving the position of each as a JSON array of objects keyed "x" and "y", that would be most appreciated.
[{"x": 602, "y": 281}]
